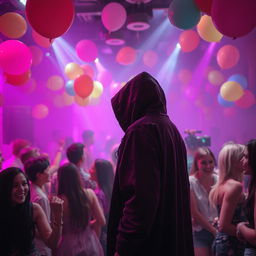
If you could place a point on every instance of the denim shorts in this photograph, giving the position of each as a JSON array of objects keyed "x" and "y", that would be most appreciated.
[
  {"x": 250, "y": 252},
  {"x": 203, "y": 238}
]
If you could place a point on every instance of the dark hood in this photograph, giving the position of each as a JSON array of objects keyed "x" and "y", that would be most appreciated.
[{"x": 140, "y": 96}]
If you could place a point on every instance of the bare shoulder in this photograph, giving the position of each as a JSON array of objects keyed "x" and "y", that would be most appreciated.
[
  {"x": 37, "y": 210},
  {"x": 90, "y": 193},
  {"x": 233, "y": 188}
]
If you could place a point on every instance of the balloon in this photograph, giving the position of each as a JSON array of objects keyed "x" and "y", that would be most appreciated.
[
  {"x": 229, "y": 112},
  {"x": 204, "y": 5},
  {"x": 207, "y": 30},
  {"x": 29, "y": 86},
  {"x": 215, "y": 77},
  {"x": 150, "y": 58},
  {"x": 12, "y": 25},
  {"x": 50, "y": 18},
  {"x": 18, "y": 79},
  {"x": 81, "y": 101},
  {"x": 55, "y": 83},
  {"x": 73, "y": 70},
  {"x": 87, "y": 50},
  {"x": 113, "y": 16},
  {"x": 239, "y": 79},
  {"x": 126, "y": 55},
  {"x": 97, "y": 89},
  {"x": 70, "y": 88},
  {"x": 83, "y": 86},
  {"x": 40, "y": 111},
  {"x": 188, "y": 40},
  {"x": 15, "y": 57},
  {"x": 247, "y": 100},
  {"x": 225, "y": 103},
  {"x": 41, "y": 41},
  {"x": 88, "y": 70},
  {"x": 184, "y": 76},
  {"x": 231, "y": 91},
  {"x": 234, "y": 18},
  {"x": 183, "y": 14},
  {"x": 67, "y": 99},
  {"x": 37, "y": 55},
  {"x": 228, "y": 56}
]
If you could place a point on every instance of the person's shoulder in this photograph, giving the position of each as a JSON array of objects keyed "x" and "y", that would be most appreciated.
[
  {"x": 233, "y": 187},
  {"x": 37, "y": 209}
]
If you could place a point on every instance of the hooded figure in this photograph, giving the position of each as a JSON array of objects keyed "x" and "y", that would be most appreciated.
[{"x": 150, "y": 207}]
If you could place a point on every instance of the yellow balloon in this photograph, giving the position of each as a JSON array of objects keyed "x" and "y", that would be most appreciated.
[
  {"x": 67, "y": 99},
  {"x": 231, "y": 91},
  {"x": 207, "y": 30},
  {"x": 13, "y": 25},
  {"x": 97, "y": 89},
  {"x": 73, "y": 70}
]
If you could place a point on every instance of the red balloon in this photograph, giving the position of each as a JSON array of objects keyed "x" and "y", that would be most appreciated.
[
  {"x": 18, "y": 79},
  {"x": 204, "y": 6},
  {"x": 83, "y": 86},
  {"x": 234, "y": 18},
  {"x": 50, "y": 18}
]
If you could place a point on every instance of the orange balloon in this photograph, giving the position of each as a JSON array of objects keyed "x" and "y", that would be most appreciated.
[
  {"x": 83, "y": 86},
  {"x": 13, "y": 25},
  {"x": 18, "y": 79},
  {"x": 126, "y": 56}
]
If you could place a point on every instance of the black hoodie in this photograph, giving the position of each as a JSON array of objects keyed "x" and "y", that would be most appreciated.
[{"x": 150, "y": 208}]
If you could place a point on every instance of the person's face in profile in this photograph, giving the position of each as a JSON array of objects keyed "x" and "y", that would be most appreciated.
[{"x": 19, "y": 189}]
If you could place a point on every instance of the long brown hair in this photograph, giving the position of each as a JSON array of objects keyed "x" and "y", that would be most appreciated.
[{"x": 70, "y": 185}]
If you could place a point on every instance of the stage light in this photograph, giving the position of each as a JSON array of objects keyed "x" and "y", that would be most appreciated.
[{"x": 23, "y": 2}]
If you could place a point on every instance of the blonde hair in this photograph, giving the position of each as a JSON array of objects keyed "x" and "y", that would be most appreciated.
[{"x": 229, "y": 156}]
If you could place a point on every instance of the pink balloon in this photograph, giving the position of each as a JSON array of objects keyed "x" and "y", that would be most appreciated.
[
  {"x": 247, "y": 100},
  {"x": 113, "y": 16},
  {"x": 87, "y": 50},
  {"x": 88, "y": 70},
  {"x": 15, "y": 57},
  {"x": 150, "y": 58},
  {"x": 185, "y": 76},
  {"x": 234, "y": 18},
  {"x": 37, "y": 55},
  {"x": 228, "y": 56},
  {"x": 189, "y": 40},
  {"x": 40, "y": 111},
  {"x": 229, "y": 112}
]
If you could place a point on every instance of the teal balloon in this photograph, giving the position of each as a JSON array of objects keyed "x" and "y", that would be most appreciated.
[
  {"x": 69, "y": 87},
  {"x": 225, "y": 103},
  {"x": 184, "y": 14},
  {"x": 239, "y": 79}
]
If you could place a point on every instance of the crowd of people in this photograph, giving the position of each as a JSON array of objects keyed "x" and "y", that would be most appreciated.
[{"x": 143, "y": 201}]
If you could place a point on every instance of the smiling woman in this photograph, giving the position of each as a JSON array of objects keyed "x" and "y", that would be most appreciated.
[{"x": 19, "y": 217}]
